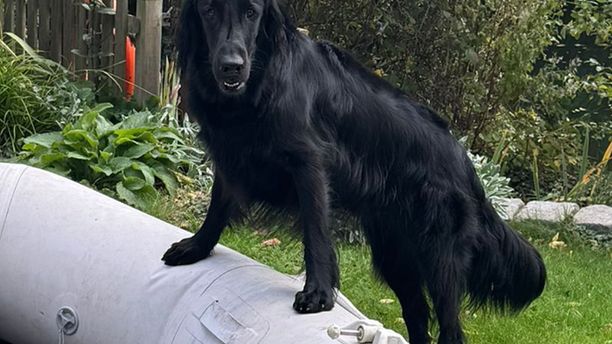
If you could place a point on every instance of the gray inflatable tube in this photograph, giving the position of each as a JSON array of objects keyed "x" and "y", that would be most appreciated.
[{"x": 79, "y": 267}]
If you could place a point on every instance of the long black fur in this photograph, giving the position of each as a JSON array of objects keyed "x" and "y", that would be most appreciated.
[{"x": 314, "y": 130}]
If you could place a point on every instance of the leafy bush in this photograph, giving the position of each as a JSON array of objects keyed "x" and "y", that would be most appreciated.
[
  {"x": 36, "y": 94},
  {"x": 131, "y": 159},
  {"x": 595, "y": 186},
  {"x": 525, "y": 79},
  {"x": 466, "y": 59},
  {"x": 493, "y": 182}
]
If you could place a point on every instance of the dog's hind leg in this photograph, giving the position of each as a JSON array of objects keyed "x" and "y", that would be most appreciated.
[
  {"x": 393, "y": 260},
  {"x": 407, "y": 285},
  {"x": 446, "y": 261},
  {"x": 445, "y": 253},
  {"x": 446, "y": 297}
]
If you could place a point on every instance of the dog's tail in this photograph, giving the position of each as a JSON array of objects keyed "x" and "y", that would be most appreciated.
[{"x": 507, "y": 271}]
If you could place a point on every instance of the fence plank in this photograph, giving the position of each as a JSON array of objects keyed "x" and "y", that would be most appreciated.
[
  {"x": 9, "y": 15},
  {"x": 148, "y": 48},
  {"x": 94, "y": 44},
  {"x": 121, "y": 22},
  {"x": 57, "y": 27},
  {"x": 57, "y": 13},
  {"x": 43, "y": 26},
  {"x": 69, "y": 36},
  {"x": 80, "y": 60},
  {"x": 107, "y": 39},
  {"x": 31, "y": 23},
  {"x": 20, "y": 18},
  {"x": 2, "y": 11}
]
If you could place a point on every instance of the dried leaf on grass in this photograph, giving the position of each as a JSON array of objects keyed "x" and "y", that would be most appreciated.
[
  {"x": 555, "y": 243},
  {"x": 271, "y": 243},
  {"x": 387, "y": 301}
]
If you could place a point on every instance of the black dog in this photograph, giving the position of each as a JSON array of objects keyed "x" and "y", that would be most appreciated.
[{"x": 300, "y": 125}]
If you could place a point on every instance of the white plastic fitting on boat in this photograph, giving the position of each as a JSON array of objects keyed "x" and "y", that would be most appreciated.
[{"x": 366, "y": 332}]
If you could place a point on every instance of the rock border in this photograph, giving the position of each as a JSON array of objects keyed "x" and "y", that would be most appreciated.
[{"x": 593, "y": 221}]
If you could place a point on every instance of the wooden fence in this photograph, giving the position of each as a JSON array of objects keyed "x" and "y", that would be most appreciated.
[{"x": 88, "y": 36}]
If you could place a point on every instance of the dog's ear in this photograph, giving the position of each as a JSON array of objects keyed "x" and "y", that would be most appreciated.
[
  {"x": 189, "y": 34},
  {"x": 276, "y": 23}
]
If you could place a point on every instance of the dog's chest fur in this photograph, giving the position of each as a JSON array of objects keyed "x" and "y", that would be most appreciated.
[{"x": 248, "y": 158}]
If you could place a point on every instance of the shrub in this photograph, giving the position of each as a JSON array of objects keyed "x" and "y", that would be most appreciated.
[
  {"x": 529, "y": 76},
  {"x": 466, "y": 59},
  {"x": 131, "y": 159},
  {"x": 595, "y": 185},
  {"x": 36, "y": 94},
  {"x": 495, "y": 184}
]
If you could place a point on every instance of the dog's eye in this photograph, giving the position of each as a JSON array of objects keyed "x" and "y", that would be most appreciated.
[
  {"x": 210, "y": 12},
  {"x": 250, "y": 13}
]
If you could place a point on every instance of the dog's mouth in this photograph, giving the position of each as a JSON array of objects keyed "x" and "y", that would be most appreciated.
[{"x": 232, "y": 86}]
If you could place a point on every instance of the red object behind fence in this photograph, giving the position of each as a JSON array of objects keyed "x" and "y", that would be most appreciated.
[{"x": 130, "y": 67}]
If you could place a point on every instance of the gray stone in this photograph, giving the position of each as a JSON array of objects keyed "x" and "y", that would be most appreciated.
[
  {"x": 547, "y": 211},
  {"x": 507, "y": 207},
  {"x": 597, "y": 218}
]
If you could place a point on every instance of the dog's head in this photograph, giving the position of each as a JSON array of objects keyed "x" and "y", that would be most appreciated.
[{"x": 223, "y": 35}]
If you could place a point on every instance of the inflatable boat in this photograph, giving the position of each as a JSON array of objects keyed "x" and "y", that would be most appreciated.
[{"x": 79, "y": 267}]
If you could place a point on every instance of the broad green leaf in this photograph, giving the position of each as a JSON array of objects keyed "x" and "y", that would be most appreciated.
[
  {"x": 102, "y": 107},
  {"x": 104, "y": 169},
  {"x": 169, "y": 157},
  {"x": 45, "y": 140},
  {"x": 146, "y": 137},
  {"x": 34, "y": 148},
  {"x": 120, "y": 163},
  {"x": 133, "y": 135},
  {"x": 106, "y": 156},
  {"x": 138, "y": 150},
  {"x": 103, "y": 126},
  {"x": 78, "y": 156},
  {"x": 48, "y": 159},
  {"x": 77, "y": 135},
  {"x": 30, "y": 146},
  {"x": 130, "y": 132},
  {"x": 120, "y": 141},
  {"x": 147, "y": 196},
  {"x": 134, "y": 183},
  {"x": 137, "y": 120},
  {"x": 166, "y": 176},
  {"x": 126, "y": 195},
  {"x": 88, "y": 120},
  {"x": 167, "y": 133},
  {"x": 147, "y": 172},
  {"x": 130, "y": 172},
  {"x": 68, "y": 127},
  {"x": 141, "y": 199}
]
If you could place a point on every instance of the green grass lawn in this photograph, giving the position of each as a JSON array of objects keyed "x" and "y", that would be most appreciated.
[{"x": 576, "y": 306}]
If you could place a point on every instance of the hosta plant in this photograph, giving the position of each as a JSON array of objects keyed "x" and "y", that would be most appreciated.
[{"x": 133, "y": 159}]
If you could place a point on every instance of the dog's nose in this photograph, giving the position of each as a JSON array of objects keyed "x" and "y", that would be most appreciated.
[{"x": 232, "y": 64}]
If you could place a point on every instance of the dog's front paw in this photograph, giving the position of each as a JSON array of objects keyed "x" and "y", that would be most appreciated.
[
  {"x": 313, "y": 301},
  {"x": 186, "y": 251}
]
